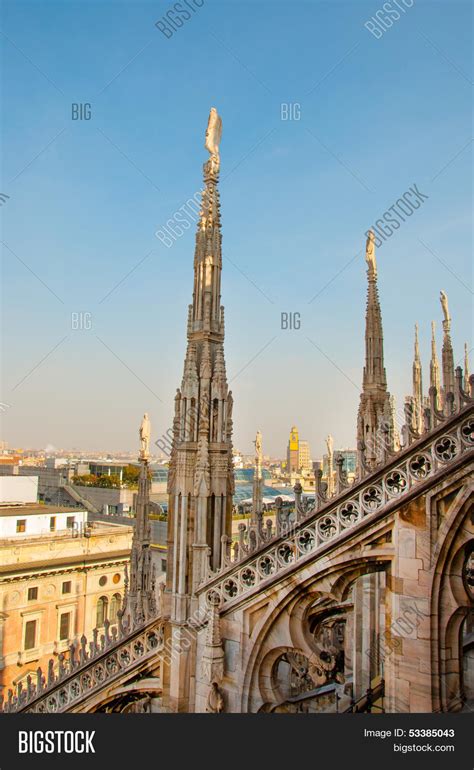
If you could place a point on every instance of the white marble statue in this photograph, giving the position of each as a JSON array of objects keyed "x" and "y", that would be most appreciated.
[
  {"x": 145, "y": 432},
  {"x": 370, "y": 251},
  {"x": 258, "y": 445},
  {"x": 330, "y": 445},
  {"x": 444, "y": 304},
  {"x": 213, "y": 136}
]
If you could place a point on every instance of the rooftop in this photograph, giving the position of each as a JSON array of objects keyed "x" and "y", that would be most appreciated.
[{"x": 34, "y": 509}]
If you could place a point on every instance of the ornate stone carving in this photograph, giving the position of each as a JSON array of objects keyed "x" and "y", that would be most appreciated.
[{"x": 215, "y": 699}]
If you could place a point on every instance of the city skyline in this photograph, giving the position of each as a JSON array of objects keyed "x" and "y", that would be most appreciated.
[{"x": 297, "y": 197}]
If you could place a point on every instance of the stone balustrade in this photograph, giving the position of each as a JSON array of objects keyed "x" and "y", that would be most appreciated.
[
  {"x": 86, "y": 669},
  {"x": 263, "y": 555}
]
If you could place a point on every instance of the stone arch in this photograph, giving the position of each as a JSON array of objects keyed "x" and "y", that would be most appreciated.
[
  {"x": 266, "y": 672},
  {"x": 290, "y": 602},
  {"x": 125, "y": 696},
  {"x": 450, "y": 602}
]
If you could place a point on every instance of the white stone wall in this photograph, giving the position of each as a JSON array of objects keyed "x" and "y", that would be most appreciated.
[{"x": 39, "y": 524}]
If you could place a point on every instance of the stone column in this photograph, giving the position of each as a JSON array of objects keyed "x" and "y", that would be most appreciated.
[
  {"x": 407, "y": 637},
  {"x": 365, "y": 654},
  {"x": 3, "y": 617}
]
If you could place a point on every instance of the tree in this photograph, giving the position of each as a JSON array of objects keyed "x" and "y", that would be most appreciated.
[
  {"x": 86, "y": 480},
  {"x": 130, "y": 476},
  {"x": 109, "y": 482}
]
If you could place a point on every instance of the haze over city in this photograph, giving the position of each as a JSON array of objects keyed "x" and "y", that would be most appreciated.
[{"x": 86, "y": 198}]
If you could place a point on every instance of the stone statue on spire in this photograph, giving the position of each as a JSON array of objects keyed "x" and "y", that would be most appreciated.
[
  {"x": 145, "y": 433},
  {"x": 374, "y": 405},
  {"x": 213, "y": 138},
  {"x": 444, "y": 304},
  {"x": 370, "y": 252},
  {"x": 447, "y": 354},
  {"x": 330, "y": 456},
  {"x": 139, "y": 601},
  {"x": 258, "y": 445},
  {"x": 257, "y": 500}
]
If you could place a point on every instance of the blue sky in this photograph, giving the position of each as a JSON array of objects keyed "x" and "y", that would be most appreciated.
[{"x": 86, "y": 198}]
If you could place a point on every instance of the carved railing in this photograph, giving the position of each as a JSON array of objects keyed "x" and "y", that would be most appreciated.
[
  {"x": 86, "y": 671},
  {"x": 267, "y": 555}
]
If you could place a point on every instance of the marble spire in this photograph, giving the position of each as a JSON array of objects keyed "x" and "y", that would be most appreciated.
[
  {"x": 447, "y": 354},
  {"x": 466, "y": 369},
  {"x": 200, "y": 480},
  {"x": 417, "y": 386},
  {"x": 139, "y": 603},
  {"x": 435, "y": 381},
  {"x": 374, "y": 408},
  {"x": 257, "y": 497}
]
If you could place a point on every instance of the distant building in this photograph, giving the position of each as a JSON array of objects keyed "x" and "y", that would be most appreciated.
[
  {"x": 237, "y": 459},
  {"x": 67, "y": 579},
  {"x": 159, "y": 479},
  {"x": 108, "y": 468},
  {"x": 304, "y": 457},
  {"x": 292, "y": 463},
  {"x": 299, "y": 466}
]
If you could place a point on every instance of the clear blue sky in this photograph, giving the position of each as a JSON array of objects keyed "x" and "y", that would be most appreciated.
[{"x": 86, "y": 198}]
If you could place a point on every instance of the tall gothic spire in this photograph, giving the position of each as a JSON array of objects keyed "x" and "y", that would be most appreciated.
[
  {"x": 201, "y": 470},
  {"x": 200, "y": 479},
  {"x": 435, "y": 381},
  {"x": 374, "y": 371},
  {"x": 417, "y": 385},
  {"x": 257, "y": 501},
  {"x": 466, "y": 368},
  {"x": 447, "y": 353},
  {"x": 207, "y": 314},
  {"x": 140, "y": 600},
  {"x": 374, "y": 408}
]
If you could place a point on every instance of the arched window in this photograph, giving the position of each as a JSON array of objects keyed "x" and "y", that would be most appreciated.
[
  {"x": 102, "y": 607},
  {"x": 115, "y": 604}
]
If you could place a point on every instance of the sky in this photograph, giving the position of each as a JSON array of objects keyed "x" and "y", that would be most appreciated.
[{"x": 373, "y": 114}]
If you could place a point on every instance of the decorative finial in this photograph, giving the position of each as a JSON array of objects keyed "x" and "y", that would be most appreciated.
[
  {"x": 144, "y": 434},
  {"x": 213, "y": 138},
  {"x": 370, "y": 253},
  {"x": 466, "y": 365}
]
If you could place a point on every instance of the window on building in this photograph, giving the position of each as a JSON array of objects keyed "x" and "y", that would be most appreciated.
[
  {"x": 64, "y": 623},
  {"x": 115, "y": 603},
  {"x": 102, "y": 607},
  {"x": 67, "y": 587},
  {"x": 163, "y": 565},
  {"x": 30, "y": 634},
  {"x": 32, "y": 593},
  {"x": 52, "y": 523},
  {"x": 70, "y": 521},
  {"x": 21, "y": 525}
]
